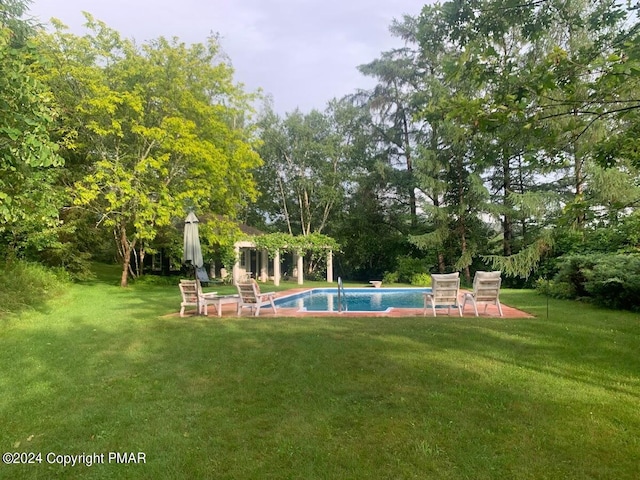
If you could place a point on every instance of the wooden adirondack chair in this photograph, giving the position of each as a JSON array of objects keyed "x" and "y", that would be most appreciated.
[
  {"x": 250, "y": 296},
  {"x": 190, "y": 298}
]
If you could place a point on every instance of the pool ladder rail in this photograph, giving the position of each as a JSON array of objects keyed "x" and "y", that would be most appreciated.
[{"x": 341, "y": 297}]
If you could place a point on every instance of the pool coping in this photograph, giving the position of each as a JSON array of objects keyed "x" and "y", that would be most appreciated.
[{"x": 230, "y": 310}]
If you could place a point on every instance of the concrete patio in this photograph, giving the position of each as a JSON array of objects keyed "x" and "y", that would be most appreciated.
[{"x": 229, "y": 310}]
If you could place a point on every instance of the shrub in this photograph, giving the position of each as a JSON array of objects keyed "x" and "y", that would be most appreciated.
[
  {"x": 409, "y": 266},
  {"x": 614, "y": 282},
  {"x": 76, "y": 264},
  {"x": 24, "y": 285},
  {"x": 609, "y": 280},
  {"x": 573, "y": 270},
  {"x": 421, "y": 279},
  {"x": 318, "y": 275},
  {"x": 555, "y": 289},
  {"x": 390, "y": 277}
]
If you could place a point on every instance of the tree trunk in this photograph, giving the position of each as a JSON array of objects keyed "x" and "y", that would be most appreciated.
[
  {"x": 284, "y": 205},
  {"x": 142, "y": 254},
  {"x": 306, "y": 227},
  {"x": 125, "y": 248},
  {"x": 413, "y": 210},
  {"x": 462, "y": 221},
  {"x": 507, "y": 221},
  {"x": 463, "y": 248},
  {"x": 126, "y": 259},
  {"x": 441, "y": 263},
  {"x": 581, "y": 217},
  {"x": 436, "y": 200}
]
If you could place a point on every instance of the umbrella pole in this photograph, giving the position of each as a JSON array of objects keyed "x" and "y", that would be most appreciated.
[{"x": 191, "y": 269}]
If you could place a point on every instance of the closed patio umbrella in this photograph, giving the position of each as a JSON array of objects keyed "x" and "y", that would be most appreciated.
[{"x": 192, "y": 252}]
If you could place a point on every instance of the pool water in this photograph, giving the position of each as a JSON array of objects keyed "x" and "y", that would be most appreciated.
[{"x": 355, "y": 299}]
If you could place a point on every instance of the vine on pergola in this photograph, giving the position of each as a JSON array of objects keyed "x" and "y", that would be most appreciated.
[{"x": 313, "y": 243}]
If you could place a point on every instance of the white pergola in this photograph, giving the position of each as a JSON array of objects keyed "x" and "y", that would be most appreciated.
[{"x": 260, "y": 270}]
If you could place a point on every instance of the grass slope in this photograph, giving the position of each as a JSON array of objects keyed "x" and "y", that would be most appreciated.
[{"x": 103, "y": 369}]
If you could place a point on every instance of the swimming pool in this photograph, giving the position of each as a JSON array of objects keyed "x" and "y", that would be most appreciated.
[{"x": 355, "y": 299}]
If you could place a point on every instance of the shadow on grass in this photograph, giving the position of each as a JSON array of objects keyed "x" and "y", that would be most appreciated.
[{"x": 319, "y": 397}]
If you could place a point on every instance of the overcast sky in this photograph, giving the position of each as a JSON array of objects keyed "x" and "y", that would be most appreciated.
[{"x": 301, "y": 52}]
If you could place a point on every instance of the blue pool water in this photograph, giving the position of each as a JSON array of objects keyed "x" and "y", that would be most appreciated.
[{"x": 356, "y": 299}]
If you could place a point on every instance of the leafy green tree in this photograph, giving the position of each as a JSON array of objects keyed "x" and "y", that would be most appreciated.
[
  {"x": 302, "y": 179},
  {"x": 29, "y": 202},
  {"x": 523, "y": 82},
  {"x": 371, "y": 226},
  {"x": 576, "y": 106},
  {"x": 158, "y": 128}
]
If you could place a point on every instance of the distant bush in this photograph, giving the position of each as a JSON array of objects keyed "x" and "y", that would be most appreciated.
[
  {"x": 409, "y": 266},
  {"x": 421, "y": 280},
  {"x": 614, "y": 282},
  {"x": 65, "y": 256},
  {"x": 609, "y": 280},
  {"x": 24, "y": 285},
  {"x": 318, "y": 275},
  {"x": 555, "y": 289},
  {"x": 390, "y": 277}
]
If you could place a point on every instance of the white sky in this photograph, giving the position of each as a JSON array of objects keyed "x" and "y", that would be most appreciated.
[{"x": 301, "y": 52}]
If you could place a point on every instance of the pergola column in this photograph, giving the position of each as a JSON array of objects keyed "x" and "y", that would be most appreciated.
[
  {"x": 264, "y": 266},
  {"x": 330, "y": 266},
  {"x": 236, "y": 264},
  {"x": 300, "y": 270},
  {"x": 247, "y": 264},
  {"x": 276, "y": 268}
]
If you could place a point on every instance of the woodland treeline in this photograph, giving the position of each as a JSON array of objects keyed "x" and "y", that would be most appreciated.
[{"x": 504, "y": 134}]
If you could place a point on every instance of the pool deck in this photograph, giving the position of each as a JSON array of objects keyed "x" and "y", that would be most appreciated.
[{"x": 229, "y": 310}]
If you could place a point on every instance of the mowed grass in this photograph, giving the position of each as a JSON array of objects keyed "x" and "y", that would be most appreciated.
[{"x": 104, "y": 369}]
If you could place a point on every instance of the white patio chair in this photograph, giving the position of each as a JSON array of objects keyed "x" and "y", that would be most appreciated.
[
  {"x": 486, "y": 289},
  {"x": 444, "y": 293},
  {"x": 250, "y": 296}
]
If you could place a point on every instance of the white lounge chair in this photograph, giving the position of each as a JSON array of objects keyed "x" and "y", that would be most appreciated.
[
  {"x": 444, "y": 293},
  {"x": 486, "y": 289},
  {"x": 250, "y": 296}
]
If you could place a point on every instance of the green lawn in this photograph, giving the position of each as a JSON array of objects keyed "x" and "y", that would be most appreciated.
[{"x": 103, "y": 369}]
